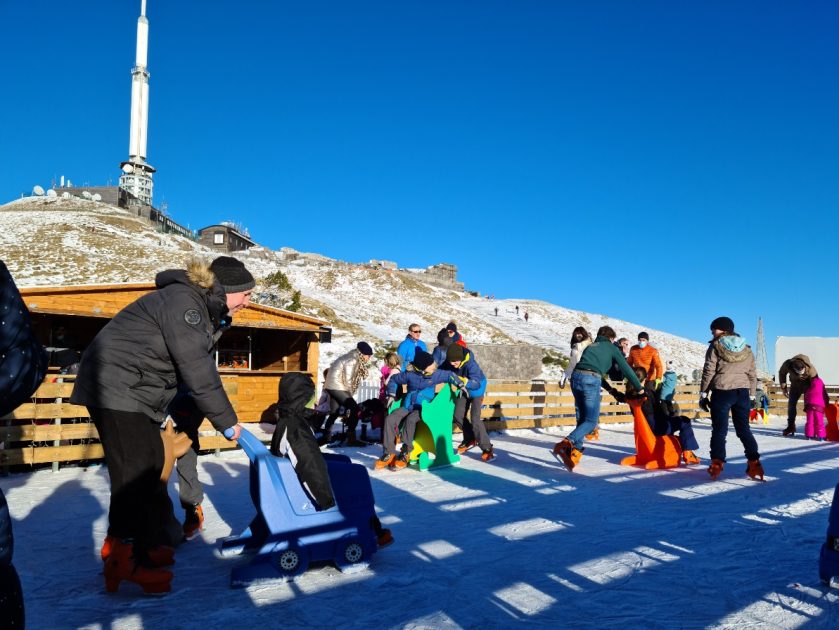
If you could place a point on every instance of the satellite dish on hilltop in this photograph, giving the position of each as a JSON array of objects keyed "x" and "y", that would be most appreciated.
[
  {"x": 97, "y": 197},
  {"x": 51, "y": 193},
  {"x": 65, "y": 195},
  {"x": 86, "y": 195},
  {"x": 127, "y": 168},
  {"x": 37, "y": 190}
]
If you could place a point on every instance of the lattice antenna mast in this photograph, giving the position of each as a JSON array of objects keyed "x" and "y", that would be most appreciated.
[{"x": 761, "y": 361}]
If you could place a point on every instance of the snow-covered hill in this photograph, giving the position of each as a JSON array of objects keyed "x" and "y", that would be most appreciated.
[{"x": 54, "y": 241}]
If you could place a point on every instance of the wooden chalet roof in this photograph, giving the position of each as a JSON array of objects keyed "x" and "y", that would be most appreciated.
[{"x": 106, "y": 300}]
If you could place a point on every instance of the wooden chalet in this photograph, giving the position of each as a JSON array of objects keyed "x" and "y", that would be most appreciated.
[{"x": 262, "y": 344}]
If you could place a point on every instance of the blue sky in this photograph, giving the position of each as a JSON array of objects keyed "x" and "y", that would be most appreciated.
[{"x": 661, "y": 162}]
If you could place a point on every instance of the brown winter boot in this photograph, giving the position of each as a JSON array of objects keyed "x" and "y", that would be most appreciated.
[
  {"x": 594, "y": 435},
  {"x": 121, "y": 565},
  {"x": 755, "y": 470},
  {"x": 715, "y": 468}
]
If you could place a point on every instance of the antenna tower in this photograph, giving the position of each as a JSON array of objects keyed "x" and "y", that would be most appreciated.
[{"x": 762, "y": 363}]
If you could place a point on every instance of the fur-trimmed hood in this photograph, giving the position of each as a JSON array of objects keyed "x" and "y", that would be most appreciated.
[
  {"x": 200, "y": 278},
  {"x": 197, "y": 273},
  {"x": 732, "y": 348}
]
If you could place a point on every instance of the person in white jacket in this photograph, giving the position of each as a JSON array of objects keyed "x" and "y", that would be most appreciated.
[
  {"x": 341, "y": 384},
  {"x": 580, "y": 340}
]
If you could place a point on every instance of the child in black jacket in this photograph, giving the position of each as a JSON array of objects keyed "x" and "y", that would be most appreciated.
[{"x": 294, "y": 438}]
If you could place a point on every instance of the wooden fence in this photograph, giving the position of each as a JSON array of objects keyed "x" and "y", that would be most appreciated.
[{"x": 49, "y": 429}]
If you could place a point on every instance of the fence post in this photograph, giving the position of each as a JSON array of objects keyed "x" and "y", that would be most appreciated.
[{"x": 57, "y": 442}]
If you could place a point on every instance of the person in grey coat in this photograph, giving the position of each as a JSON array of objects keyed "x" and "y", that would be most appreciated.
[{"x": 131, "y": 372}]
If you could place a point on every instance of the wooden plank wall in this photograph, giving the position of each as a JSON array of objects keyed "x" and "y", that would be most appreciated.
[
  {"x": 50, "y": 429},
  {"x": 523, "y": 405}
]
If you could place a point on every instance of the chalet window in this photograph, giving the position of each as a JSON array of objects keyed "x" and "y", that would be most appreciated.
[
  {"x": 218, "y": 238},
  {"x": 235, "y": 350}
]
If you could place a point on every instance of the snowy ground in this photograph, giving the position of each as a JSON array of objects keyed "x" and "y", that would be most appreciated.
[{"x": 517, "y": 541}]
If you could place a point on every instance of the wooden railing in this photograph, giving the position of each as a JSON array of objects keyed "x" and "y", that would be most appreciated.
[
  {"x": 537, "y": 404},
  {"x": 50, "y": 429}
]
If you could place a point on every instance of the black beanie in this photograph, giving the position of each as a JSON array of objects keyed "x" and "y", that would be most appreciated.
[
  {"x": 454, "y": 353},
  {"x": 452, "y": 327},
  {"x": 443, "y": 337},
  {"x": 422, "y": 360},
  {"x": 644, "y": 335},
  {"x": 723, "y": 323},
  {"x": 232, "y": 275},
  {"x": 364, "y": 348}
]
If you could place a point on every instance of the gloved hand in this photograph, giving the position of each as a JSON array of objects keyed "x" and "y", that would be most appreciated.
[
  {"x": 389, "y": 402},
  {"x": 705, "y": 403},
  {"x": 233, "y": 432},
  {"x": 754, "y": 402},
  {"x": 785, "y": 390},
  {"x": 456, "y": 381}
]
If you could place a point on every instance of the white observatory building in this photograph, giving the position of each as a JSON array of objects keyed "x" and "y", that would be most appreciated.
[{"x": 136, "y": 176}]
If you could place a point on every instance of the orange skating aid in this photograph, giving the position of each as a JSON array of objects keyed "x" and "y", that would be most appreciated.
[
  {"x": 651, "y": 451},
  {"x": 832, "y": 414},
  {"x": 758, "y": 414}
]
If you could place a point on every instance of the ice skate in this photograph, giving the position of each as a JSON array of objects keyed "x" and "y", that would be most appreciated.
[
  {"x": 755, "y": 470},
  {"x": 193, "y": 522},
  {"x": 690, "y": 458},
  {"x": 465, "y": 446},
  {"x": 715, "y": 468},
  {"x": 384, "y": 461},
  {"x": 160, "y": 556},
  {"x": 122, "y": 566},
  {"x": 569, "y": 455}
]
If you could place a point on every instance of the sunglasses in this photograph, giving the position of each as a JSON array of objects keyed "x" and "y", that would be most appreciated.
[{"x": 416, "y": 331}]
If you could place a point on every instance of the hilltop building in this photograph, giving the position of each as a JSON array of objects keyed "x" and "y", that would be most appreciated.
[
  {"x": 223, "y": 237},
  {"x": 443, "y": 275},
  {"x": 383, "y": 264}
]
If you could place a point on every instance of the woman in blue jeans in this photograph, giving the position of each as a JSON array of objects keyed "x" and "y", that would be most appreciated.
[
  {"x": 586, "y": 380},
  {"x": 729, "y": 381}
]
